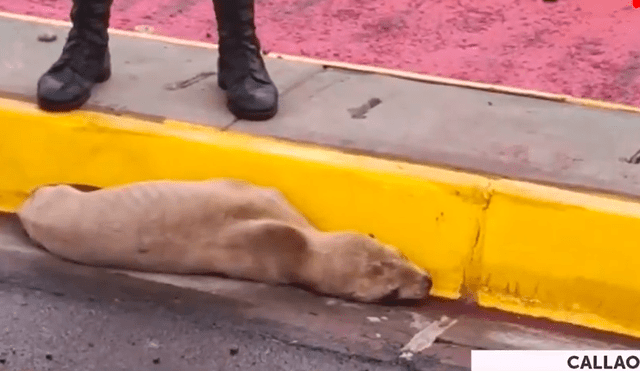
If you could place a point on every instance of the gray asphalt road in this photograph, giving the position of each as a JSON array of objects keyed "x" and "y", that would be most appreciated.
[
  {"x": 56, "y": 315},
  {"x": 52, "y": 324}
]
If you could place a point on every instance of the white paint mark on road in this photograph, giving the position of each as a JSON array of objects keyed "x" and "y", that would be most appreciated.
[
  {"x": 419, "y": 321},
  {"x": 429, "y": 332}
]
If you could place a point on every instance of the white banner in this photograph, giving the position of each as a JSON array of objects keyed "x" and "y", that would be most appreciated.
[{"x": 554, "y": 360}]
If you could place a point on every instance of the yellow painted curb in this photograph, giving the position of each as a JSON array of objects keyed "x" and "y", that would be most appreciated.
[
  {"x": 520, "y": 247},
  {"x": 568, "y": 256},
  {"x": 432, "y": 215}
]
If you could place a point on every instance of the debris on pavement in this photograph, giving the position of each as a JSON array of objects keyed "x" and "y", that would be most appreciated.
[
  {"x": 47, "y": 37},
  {"x": 361, "y": 111},
  {"x": 424, "y": 338},
  {"x": 144, "y": 29}
]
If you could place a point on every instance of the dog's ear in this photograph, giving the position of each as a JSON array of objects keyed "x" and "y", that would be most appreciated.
[{"x": 271, "y": 237}]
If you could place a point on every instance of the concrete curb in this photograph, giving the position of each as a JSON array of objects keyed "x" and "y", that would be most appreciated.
[{"x": 515, "y": 246}]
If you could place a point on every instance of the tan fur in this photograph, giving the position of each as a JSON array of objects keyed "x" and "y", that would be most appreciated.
[{"x": 215, "y": 227}]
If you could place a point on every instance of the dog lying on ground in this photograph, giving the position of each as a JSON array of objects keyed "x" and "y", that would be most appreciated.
[{"x": 218, "y": 227}]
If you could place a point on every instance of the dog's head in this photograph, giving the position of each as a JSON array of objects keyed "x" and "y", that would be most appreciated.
[{"x": 366, "y": 270}]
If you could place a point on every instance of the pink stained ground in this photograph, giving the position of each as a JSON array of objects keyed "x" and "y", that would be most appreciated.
[{"x": 585, "y": 48}]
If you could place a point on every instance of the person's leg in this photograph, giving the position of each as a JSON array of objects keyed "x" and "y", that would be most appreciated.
[
  {"x": 85, "y": 59},
  {"x": 241, "y": 71}
]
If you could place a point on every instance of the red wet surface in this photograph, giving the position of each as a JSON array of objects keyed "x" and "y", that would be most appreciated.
[{"x": 585, "y": 48}]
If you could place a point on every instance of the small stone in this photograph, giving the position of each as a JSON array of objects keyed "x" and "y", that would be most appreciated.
[
  {"x": 234, "y": 350},
  {"x": 373, "y": 319},
  {"x": 143, "y": 28},
  {"x": 406, "y": 355},
  {"x": 47, "y": 37}
]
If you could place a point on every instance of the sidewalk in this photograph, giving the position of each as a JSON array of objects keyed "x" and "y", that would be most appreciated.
[
  {"x": 459, "y": 128},
  {"x": 586, "y": 48},
  {"x": 524, "y": 248}
]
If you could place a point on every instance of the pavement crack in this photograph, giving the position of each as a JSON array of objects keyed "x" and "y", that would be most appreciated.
[
  {"x": 327, "y": 86},
  {"x": 228, "y": 126},
  {"x": 300, "y": 82},
  {"x": 188, "y": 82},
  {"x": 472, "y": 273},
  {"x": 459, "y": 344}
]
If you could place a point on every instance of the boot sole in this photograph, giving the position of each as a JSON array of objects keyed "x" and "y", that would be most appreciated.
[
  {"x": 51, "y": 106},
  {"x": 252, "y": 116},
  {"x": 55, "y": 106}
]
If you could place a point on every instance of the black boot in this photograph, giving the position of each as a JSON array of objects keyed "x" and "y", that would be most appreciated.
[
  {"x": 251, "y": 94},
  {"x": 84, "y": 62}
]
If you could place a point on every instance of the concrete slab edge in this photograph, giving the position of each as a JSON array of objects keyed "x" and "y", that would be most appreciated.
[
  {"x": 364, "y": 68},
  {"x": 519, "y": 247}
]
